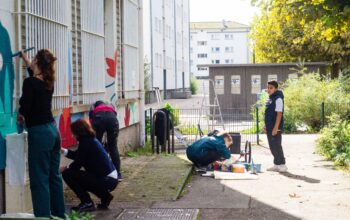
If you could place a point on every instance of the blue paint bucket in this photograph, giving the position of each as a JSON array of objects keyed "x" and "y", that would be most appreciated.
[{"x": 257, "y": 167}]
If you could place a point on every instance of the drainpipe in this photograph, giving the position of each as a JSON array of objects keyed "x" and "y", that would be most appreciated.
[{"x": 141, "y": 77}]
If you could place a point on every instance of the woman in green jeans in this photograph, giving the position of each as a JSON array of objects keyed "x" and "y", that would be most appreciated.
[{"x": 44, "y": 141}]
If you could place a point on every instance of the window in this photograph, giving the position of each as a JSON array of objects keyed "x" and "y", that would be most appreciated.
[
  {"x": 231, "y": 61},
  {"x": 227, "y": 61},
  {"x": 202, "y": 43},
  {"x": 219, "y": 85},
  {"x": 229, "y": 49},
  {"x": 272, "y": 77},
  {"x": 191, "y": 37},
  {"x": 236, "y": 84},
  {"x": 217, "y": 61},
  {"x": 202, "y": 55},
  {"x": 215, "y": 36},
  {"x": 215, "y": 49},
  {"x": 228, "y": 36},
  {"x": 191, "y": 49},
  {"x": 293, "y": 76},
  {"x": 256, "y": 84},
  {"x": 202, "y": 68}
]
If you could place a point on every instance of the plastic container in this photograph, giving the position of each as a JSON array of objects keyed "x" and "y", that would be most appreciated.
[{"x": 238, "y": 168}]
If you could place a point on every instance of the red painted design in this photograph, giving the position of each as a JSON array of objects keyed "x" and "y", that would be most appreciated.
[
  {"x": 127, "y": 116},
  {"x": 67, "y": 139},
  {"x": 112, "y": 65}
]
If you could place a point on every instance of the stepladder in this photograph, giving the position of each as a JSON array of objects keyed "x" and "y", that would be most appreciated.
[{"x": 210, "y": 111}]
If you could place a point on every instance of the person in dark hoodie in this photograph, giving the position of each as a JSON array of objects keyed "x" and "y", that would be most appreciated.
[
  {"x": 103, "y": 118},
  {"x": 99, "y": 175},
  {"x": 210, "y": 149},
  {"x": 274, "y": 125}
]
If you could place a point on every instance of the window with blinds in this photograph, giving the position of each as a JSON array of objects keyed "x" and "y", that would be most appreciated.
[
  {"x": 44, "y": 24},
  {"x": 88, "y": 59},
  {"x": 74, "y": 31}
]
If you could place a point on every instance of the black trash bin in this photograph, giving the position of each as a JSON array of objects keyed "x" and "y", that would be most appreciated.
[{"x": 235, "y": 148}]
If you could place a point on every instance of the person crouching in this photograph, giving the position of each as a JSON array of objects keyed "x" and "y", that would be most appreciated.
[
  {"x": 99, "y": 175},
  {"x": 210, "y": 149}
]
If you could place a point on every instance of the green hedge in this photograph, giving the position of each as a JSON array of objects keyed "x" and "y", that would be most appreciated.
[{"x": 334, "y": 142}]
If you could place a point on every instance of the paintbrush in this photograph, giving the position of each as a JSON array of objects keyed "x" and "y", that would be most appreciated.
[{"x": 20, "y": 52}]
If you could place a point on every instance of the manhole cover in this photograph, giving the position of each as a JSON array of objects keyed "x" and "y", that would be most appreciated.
[{"x": 159, "y": 214}]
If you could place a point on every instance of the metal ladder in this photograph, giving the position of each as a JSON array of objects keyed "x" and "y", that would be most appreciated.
[
  {"x": 158, "y": 96},
  {"x": 211, "y": 112}
]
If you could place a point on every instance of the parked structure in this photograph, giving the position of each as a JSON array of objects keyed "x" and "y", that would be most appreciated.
[
  {"x": 223, "y": 42},
  {"x": 99, "y": 50},
  {"x": 166, "y": 46},
  {"x": 239, "y": 85}
]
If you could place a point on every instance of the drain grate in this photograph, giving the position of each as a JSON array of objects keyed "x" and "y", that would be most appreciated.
[{"x": 159, "y": 214}]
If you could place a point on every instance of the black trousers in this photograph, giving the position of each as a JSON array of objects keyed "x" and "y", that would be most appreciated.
[
  {"x": 275, "y": 143},
  {"x": 211, "y": 157},
  {"x": 108, "y": 122},
  {"x": 82, "y": 182}
]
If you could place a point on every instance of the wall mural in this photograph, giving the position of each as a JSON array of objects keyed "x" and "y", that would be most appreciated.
[
  {"x": 112, "y": 73},
  {"x": 128, "y": 114},
  {"x": 7, "y": 77}
]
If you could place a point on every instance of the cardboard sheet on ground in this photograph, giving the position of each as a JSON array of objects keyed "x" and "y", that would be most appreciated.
[{"x": 219, "y": 175}]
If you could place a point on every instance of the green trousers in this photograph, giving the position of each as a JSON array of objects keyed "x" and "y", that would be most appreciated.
[{"x": 46, "y": 187}]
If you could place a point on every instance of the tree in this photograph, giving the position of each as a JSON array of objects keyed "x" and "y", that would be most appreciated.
[{"x": 312, "y": 30}]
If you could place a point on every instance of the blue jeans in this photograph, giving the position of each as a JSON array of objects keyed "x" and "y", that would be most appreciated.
[{"x": 46, "y": 186}]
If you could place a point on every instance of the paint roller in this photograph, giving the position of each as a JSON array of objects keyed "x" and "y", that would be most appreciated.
[{"x": 20, "y": 52}]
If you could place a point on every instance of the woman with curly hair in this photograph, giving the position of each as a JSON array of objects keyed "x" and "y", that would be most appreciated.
[{"x": 44, "y": 141}]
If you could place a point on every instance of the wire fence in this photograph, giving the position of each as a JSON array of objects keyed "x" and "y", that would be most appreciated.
[{"x": 189, "y": 123}]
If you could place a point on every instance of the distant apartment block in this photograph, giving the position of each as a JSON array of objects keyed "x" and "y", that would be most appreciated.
[
  {"x": 166, "y": 44},
  {"x": 223, "y": 42}
]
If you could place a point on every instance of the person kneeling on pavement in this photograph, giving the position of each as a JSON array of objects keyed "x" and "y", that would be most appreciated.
[
  {"x": 99, "y": 175},
  {"x": 210, "y": 149}
]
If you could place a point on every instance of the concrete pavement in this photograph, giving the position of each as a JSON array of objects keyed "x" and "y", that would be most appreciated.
[{"x": 312, "y": 189}]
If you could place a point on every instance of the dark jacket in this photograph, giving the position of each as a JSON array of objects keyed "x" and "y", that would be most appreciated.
[
  {"x": 270, "y": 111},
  {"x": 92, "y": 157},
  {"x": 200, "y": 148}
]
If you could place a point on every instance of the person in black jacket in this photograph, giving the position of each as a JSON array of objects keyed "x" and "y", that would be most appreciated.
[
  {"x": 44, "y": 140},
  {"x": 103, "y": 118},
  {"x": 99, "y": 175}
]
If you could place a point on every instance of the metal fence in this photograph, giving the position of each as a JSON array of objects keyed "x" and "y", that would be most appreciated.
[{"x": 238, "y": 120}]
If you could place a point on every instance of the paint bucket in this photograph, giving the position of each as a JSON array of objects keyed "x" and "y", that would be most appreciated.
[
  {"x": 256, "y": 167},
  {"x": 238, "y": 168}
]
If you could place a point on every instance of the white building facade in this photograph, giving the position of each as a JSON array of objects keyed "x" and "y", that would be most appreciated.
[
  {"x": 223, "y": 42},
  {"x": 166, "y": 44}
]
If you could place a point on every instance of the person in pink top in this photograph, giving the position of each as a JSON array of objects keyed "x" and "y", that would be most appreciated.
[{"x": 103, "y": 118}]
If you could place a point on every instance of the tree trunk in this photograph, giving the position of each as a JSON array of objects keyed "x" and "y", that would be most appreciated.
[{"x": 335, "y": 71}]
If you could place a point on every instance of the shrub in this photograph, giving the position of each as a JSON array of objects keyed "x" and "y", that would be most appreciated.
[
  {"x": 334, "y": 142},
  {"x": 175, "y": 112},
  {"x": 194, "y": 86}
]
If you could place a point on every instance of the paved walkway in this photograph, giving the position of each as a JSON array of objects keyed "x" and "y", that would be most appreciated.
[{"x": 312, "y": 189}]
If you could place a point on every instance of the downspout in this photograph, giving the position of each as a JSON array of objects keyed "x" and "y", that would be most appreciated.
[{"x": 141, "y": 77}]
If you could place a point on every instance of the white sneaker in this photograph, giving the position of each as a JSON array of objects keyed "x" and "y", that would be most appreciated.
[
  {"x": 282, "y": 168},
  {"x": 275, "y": 168}
]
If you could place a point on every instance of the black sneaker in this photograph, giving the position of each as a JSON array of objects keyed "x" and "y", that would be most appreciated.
[
  {"x": 120, "y": 177},
  {"x": 105, "y": 202},
  {"x": 84, "y": 207}
]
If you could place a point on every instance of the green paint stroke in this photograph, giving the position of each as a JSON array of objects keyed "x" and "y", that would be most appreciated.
[
  {"x": 132, "y": 106},
  {"x": 7, "y": 77}
]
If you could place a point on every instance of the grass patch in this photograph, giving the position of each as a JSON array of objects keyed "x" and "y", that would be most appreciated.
[
  {"x": 142, "y": 151},
  {"x": 191, "y": 130},
  {"x": 189, "y": 179}
]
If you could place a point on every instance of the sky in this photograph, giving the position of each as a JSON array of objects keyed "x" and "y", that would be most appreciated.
[{"x": 240, "y": 11}]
